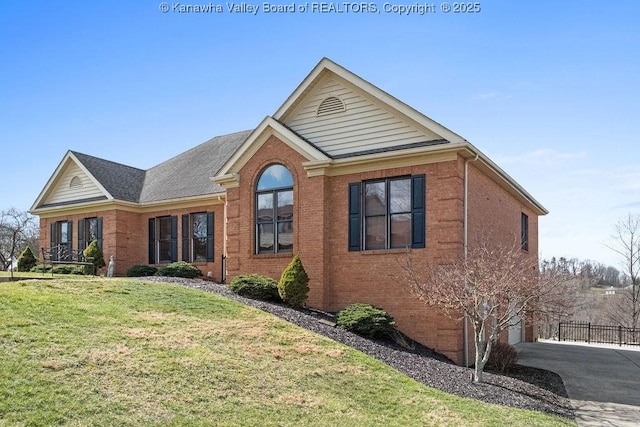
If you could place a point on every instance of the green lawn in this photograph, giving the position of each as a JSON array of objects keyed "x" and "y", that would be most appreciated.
[{"x": 92, "y": 351}]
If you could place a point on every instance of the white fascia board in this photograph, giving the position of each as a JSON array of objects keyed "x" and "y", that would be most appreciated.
[
  {"x": 268, "y": 127},
  {"x": 53, "y": 180},
  {"x": 504, "y": 179},
  {"x": 326, "y": 65}
]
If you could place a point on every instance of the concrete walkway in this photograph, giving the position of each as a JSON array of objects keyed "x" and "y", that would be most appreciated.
[{"x": 603, "y": 383}]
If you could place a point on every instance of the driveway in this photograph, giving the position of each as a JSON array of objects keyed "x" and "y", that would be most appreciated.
[{"x": 602, "y": 383}]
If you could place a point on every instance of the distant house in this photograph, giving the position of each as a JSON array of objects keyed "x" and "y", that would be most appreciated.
[{"x": 343, "y": 174}]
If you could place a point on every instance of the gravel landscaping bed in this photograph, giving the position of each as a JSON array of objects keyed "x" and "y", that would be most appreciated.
[{"x": 524, "y": 387}]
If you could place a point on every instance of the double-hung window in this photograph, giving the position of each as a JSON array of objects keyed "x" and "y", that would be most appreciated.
[
  {"x": 89, "y": 229},
  {"x": 197, "y": 237},
  {"x": 61, "y": 237},
  {"x": 387, "y": 213},
  {"x": 163, "y": 239}
]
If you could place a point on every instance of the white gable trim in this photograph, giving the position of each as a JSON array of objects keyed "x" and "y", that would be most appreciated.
[
  {"x": 57, "y": 174},
  {"x": 389, "y": 102},
  {"x": 267, "y": 128}
]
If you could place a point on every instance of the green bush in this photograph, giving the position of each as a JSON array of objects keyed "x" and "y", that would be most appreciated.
[
  {"x": 68, "y": 269},
  {"x": 180, "y": 269},
  {"x": 94, "y": 252},
  {"x": 26, "y": 260},
  {"x": 255, "y": 286},
  {"x": 141, "y": 270},
  {"x": 366, "y": 320},
  {"x": 293, "y": 286},
  {"x": 502, "y": 358},
  {"x": 40, "y": 268}
]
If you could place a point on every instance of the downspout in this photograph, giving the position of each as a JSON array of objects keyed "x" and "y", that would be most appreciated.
[{"x": 465, "y": 249}]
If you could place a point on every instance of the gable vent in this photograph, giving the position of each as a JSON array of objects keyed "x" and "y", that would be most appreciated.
[
  {"x": 331, "y": 105},
  {"x": 75, "y": 182}
]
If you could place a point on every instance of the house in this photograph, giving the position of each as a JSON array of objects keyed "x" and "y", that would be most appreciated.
[{"x": 343, "y": 174}]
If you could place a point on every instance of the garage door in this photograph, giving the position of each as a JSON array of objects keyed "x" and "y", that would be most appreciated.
[{"x": 515, "y": 330}]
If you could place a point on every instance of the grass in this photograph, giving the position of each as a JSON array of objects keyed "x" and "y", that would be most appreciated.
[{"x": 92, "y": 351}]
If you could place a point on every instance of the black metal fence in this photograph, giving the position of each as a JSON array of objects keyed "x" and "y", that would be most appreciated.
[{"x": 601, "y": 334}]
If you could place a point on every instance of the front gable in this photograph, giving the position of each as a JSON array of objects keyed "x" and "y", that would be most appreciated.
[
  {"x": 346, "y": 116},
  {"x": 71, "y": 183},
  {"x": 228, "y": 175}
]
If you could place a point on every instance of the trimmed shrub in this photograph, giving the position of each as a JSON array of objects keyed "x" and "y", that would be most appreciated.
[
  {"x": 180, "y": 269},
  {"x": 26, "y": 260},
  {"x": 255, "y": 286},
  {"x": 68, "y": 269},
  {"x": 366, "y": 320},
  {"x": 93, "y": 251},
  {"x": 142, "y": 270},
  {"x": 502, "y": 358},
  {"x": 293, "y": 286},
  {"x": 40, "y": 268}
]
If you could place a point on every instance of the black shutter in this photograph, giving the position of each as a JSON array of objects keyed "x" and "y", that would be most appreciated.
[
  {"x": 210, "y": 232},
  {"x": 152, "y": 240},
  {"x": 354, "y": 216},
  {"x": 174, "y": 238},
  {"x": 70, "y": 241},
  {"x": 52, "y": 240},
  {"x": 80, "y": 236},
  {"x": 99, "y": 220},
  {"x": 418, "y": 211},
  {"x": 185, "y": 238}
]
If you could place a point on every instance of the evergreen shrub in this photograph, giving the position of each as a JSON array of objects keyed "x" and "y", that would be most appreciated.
[
  {"x": 68, "y": 269},
  {"x": 40, "y": 268},
  {"x": 366, "y": 320},
  {"x": 255, "y": 286},
  {"x": 93, "y": 253},
  {"x": 142, "y": 270},
  {"x": 180, "y": 269},
  {"x": 293, "y": 286},
  {"x": 26, "y": 260}
]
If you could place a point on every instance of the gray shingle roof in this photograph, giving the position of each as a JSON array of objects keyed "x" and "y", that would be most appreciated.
[
  {"x": 185, "y": 175},
  {"x": 189, "y": 174},
  {"x": 121, "y": 181}
]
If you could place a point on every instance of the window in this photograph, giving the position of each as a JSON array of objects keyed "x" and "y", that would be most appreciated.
[
  {"x": 197, "y": 237},
  {"x": 524, "y": 231},
  {"x": 274, "y": 211},
  {"x": 387, "y": 213},
  {"x": 61, "y": 235},
  {"x": 163, "y": 239},
  {"x": 89, "y": 229}
]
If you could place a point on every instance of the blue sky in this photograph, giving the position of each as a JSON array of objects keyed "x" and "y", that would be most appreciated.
[{"x": 549, "y": 90}]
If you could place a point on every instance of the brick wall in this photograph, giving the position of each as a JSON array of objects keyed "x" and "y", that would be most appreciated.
[
  {"x": 339, "y": 277},
  {"x": 496, "y": 214},
  {"x": 125, "y": 235},
  {"x": 376, "y": 277},
  {"x": 308, "y": 213}
]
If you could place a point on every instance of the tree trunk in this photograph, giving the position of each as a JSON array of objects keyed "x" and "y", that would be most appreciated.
[{"x": 482, "y": 345}]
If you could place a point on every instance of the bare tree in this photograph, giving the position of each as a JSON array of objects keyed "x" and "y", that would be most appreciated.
[
  {"x": 492, "y": 286},
  {"x": 17, "y": 230},
  {"x": 625, "y": 241}
]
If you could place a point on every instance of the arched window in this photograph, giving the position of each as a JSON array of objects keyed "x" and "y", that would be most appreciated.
[{"x": 274, "y": 211}]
